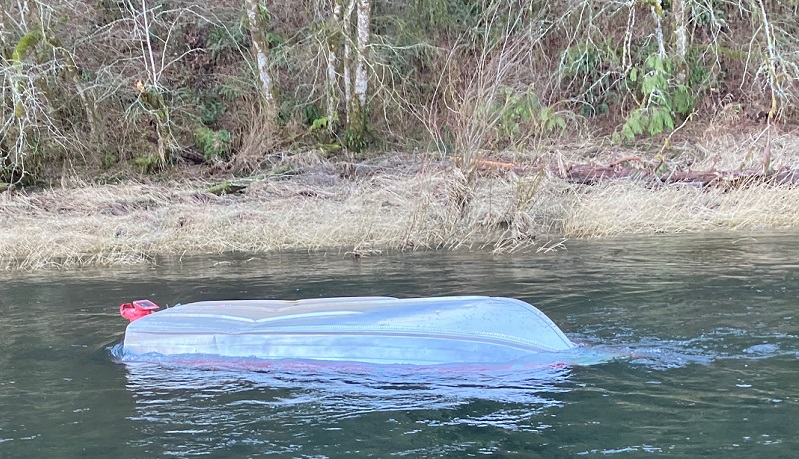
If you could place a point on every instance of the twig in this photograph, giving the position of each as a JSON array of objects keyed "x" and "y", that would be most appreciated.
[
  {"x": 767, "y": 148},
  {"x": 667, "y": 142},
  {"x": 626, "y": 159}
]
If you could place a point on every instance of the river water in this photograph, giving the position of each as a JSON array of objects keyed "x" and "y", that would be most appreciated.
[{"x": 710, "y": 320}]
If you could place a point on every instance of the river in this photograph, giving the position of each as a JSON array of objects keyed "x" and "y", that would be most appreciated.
[{"x": 711, "y": 321}]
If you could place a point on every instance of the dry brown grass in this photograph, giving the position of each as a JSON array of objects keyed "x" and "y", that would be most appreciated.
[
  {"x": 398, "y": 203},
  {"x": 629, "y": 208},
  {"x": 133, "y": 222}
]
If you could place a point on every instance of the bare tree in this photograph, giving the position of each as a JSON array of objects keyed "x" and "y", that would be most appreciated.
[{"x": 26, "y": 110}]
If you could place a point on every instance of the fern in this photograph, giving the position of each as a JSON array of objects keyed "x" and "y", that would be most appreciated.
[{"x": 213, "y": 144}]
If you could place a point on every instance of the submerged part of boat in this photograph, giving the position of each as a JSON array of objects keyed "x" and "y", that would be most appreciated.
[{"x": 382, "y": 330}]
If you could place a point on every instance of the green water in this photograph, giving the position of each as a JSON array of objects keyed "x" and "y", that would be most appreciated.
[{"x": 712, "y": 319}]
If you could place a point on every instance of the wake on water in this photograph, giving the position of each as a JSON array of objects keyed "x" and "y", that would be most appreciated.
[{"x": 345, "y": 388}]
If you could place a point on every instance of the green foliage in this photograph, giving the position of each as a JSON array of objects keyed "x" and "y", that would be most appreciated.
[
  {"x": 25, "y": 43},
  {"x": 355, "y": 138},
  {"x": 319, "y": 124},
  {"x": 553, "y": 61},
  {"x": 226, "y": 187},
  {"x": 148, "y": 163},
  {"x": 263, "y": 19},
  {"x": 272, "y": 40},
  {"x": 310, "y": 113},
  {"x": 225, "y": 40},
  {"x": 214, "y": 145},
  {"x": 583, "y": 60},
  {"x": 211, "y": 109},
  {"x": 515, "y": 111},
  {"x": 521, "y": 116},
  {"x": 230, "y": 90},
  {"x": 653, "y": 120},
  {"x": 665, "y": 100},
  {"x": 214, "y": 103},
  {"x": 709, "y": 14},
  {"x": 587, "y": 73},
  {"x": 682, "y": 101},
  {"x": 321, "y": 130},
  {"x": 448, "y": 17},
  {"x": 550, "y": 120},
  {"x": 264, "y": 15},
  {"x": 656, "y": 72}
]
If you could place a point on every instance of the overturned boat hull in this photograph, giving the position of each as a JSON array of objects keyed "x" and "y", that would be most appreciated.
[{"x": 380, "y": 330}]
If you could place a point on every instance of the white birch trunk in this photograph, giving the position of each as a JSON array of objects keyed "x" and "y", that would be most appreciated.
[
  {"x": 332, "y": 80},
  {"x": 659, "y": 34},
  {"x": 260, "y": 55},
  {"x": 154, "y": 76},
  {"x": 772, "y": 59},
  {"x": 680, "y": 39},
  {"x": 348, "y": 55},
  {"x": 680, "y": 33},
  {"x": 361, "y": 80}
]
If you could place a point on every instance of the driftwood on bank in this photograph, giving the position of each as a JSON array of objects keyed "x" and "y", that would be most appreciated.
[{"x": 591, "y": 174}]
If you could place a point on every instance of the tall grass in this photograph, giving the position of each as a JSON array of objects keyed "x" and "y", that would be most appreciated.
[{"x": 408, "y": 203}]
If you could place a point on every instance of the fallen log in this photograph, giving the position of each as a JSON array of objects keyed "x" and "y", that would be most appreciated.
[
  {"x": 192, "y": 157},
  {"x": 490, "y": 165},
  {"x": 785, "y": 176},
  {"x": 702, "y": 178},
  {"x": 587, "y": 174}
]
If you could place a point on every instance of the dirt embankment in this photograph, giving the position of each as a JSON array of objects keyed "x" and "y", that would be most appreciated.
[{"x": 400, "y": 202}]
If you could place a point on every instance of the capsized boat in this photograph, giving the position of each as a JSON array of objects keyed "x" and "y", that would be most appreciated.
[{"x": 379, "y": 330}]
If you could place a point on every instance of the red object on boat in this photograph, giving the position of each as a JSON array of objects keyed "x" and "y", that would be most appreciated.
[{"x": 137, "y": 309}]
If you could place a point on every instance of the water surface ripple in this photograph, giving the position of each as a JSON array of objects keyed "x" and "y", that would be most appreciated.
[{"x": 690, "y": 348}]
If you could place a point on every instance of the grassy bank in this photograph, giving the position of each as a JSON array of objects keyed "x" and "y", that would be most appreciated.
[{"x": 396, "y": 202}]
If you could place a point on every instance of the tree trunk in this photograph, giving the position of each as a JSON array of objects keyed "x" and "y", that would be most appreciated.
[
  {"x": 27, "y": 42},
  {"x": 347, "y": 26},
  {"x": 356, "y": 125},
  {"x": 23, "y": 96},
  {"x": 772, "y": 59},
  {"x": 333, "y": 44},
  {"x": 657, "y": 12},
  {"x": 361, "y": 80},
  {"x": 678, "y": 8},
  {"x": 260, "y": 47}
]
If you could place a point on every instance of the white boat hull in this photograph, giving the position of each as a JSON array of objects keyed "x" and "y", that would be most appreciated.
[{"x": 380, "y": 330}]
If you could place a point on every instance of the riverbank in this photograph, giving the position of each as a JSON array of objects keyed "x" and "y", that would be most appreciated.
[{"x": 395, "y": 202}]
